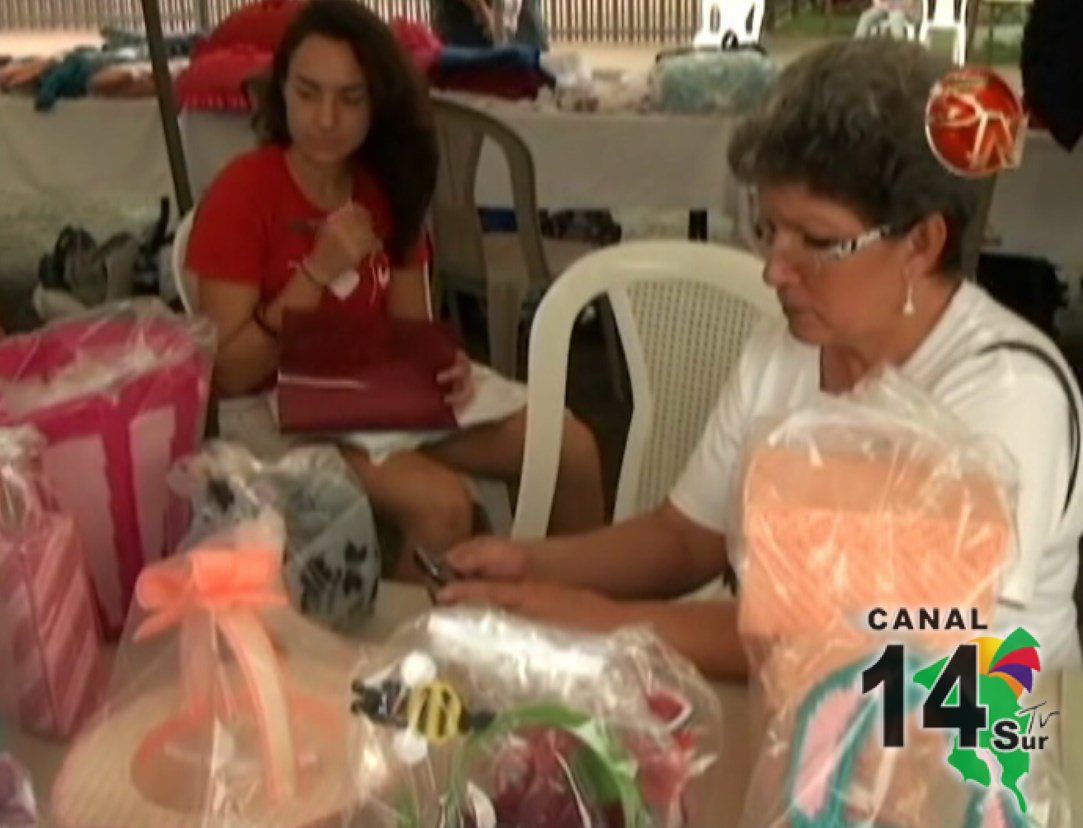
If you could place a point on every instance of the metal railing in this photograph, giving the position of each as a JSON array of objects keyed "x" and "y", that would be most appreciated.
[{"x": 607, "y": 21}]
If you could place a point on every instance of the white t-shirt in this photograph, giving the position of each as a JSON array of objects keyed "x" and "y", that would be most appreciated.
[{"x": 1012, "y": 396}]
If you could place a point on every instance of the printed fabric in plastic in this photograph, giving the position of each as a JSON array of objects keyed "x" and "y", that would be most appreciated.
[
  {"x": 51, "y": 657},
  {"x": 476, "y": 719},
  {"x": 870, "y": 519},
  {"x": 226, "y": 707},
  {"x": 703, "y": 82},
  {"x": 120, "y": 394},
  {"x": 332, "y": 558}
]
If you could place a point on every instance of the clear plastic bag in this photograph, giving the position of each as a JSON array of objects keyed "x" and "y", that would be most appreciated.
[
  {"x": 226, "y": 707},
  {"x": 477, "y": 719},
  {"x": 710, "y": 82},
  {"x": 18, "y": 806},
  {"x": 332, "y": 559},
  {"x": 51, "y": 657},
  {"x": 868, "y": 520},
  {"x": 119, "y": 394}
]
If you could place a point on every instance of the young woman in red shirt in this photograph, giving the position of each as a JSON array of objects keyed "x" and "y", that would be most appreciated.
[{"x": 343, "y": 184}]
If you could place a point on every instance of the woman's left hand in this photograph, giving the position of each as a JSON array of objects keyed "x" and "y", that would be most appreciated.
[
  {"x": 459, "y": 379},
  {"x": 539, "y": 601}
]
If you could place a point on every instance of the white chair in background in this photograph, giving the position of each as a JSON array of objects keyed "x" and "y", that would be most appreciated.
[
  {"x": 683, "y": 312},
  {"x": 945, "y": 17},
  {"x": 743, "y": 19},
  {"x": 491, "y": 494},
  {"x": 883, "y": 28}
]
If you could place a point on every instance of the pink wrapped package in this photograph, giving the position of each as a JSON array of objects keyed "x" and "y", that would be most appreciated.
[
  {"x": 119, "y": 394},
  {"x": 51, "y": 672}
]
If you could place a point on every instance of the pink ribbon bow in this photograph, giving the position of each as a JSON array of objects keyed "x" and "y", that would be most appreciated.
[{"x": 221, "y": 590}]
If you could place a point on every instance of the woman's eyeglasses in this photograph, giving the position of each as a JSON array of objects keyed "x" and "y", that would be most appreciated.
[
  {"x": 800, "y": 250},
  {"x": 807, "y": 252}
]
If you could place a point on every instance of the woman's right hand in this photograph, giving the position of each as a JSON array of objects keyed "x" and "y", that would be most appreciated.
[
  {"x": 490, "y": 559},
  {"x": 343, "y": 241}
]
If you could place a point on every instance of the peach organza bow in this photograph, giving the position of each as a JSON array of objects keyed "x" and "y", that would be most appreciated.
[{"x": 212, "y": 591}]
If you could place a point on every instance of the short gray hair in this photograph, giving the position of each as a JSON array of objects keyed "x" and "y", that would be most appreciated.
[{"x": 848, "y": 121}]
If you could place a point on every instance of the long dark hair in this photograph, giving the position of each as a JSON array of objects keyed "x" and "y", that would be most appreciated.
[{"x": 400, "y": 148}]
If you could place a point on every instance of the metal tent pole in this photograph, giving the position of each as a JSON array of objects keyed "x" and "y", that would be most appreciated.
[{"x": 167, "y": 105}]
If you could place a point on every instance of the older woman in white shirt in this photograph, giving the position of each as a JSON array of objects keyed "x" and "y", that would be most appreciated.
[{"x": 862, "y": 231}]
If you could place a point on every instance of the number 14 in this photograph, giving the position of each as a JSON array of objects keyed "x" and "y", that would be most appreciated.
[{"x": 967, "y": 716}]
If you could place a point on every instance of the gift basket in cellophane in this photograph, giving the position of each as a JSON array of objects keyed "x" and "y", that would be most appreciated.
[
  {"x": 226, "y": 708},
  {"x": 473, "y": 718},
  {"x": 875, "y": 534}
]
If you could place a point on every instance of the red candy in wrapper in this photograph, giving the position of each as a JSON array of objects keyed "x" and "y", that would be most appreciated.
[
  {"x": 975, "y": 123},
  {"x": 538, "y": 787}
]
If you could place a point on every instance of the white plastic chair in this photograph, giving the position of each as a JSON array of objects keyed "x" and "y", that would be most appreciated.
[
  {"x": 946, "y": 17},
  {"x": 883, "y": 28},
  {"x": 491, "y": 494},
  {"x": 683, "y": 312},
  {"x": 182, "y": 280},
  {"x": 719, "y": 18}
]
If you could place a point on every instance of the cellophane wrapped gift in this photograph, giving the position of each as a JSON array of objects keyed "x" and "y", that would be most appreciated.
[
  {"x": 332, "y": 556},
  {"x": 710, "y": 82},
  {"x": 51, "y": 657},
  {"x": 120, "y": 394},
  {"x": 226, "y": 706},
  {"x": 880, "y": 500},
  {"x": 476, "y": 719},
  {"x": 18, "y": 805}
]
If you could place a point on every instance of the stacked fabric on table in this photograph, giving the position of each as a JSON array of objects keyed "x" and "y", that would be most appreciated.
[
  {"x": 238, "y": 50},
  {"x": 120, "y": 67},
  {"x": 511, "y": 71}
]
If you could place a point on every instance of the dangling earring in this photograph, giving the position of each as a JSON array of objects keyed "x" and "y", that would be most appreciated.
[{"x": 908, "y": 308}]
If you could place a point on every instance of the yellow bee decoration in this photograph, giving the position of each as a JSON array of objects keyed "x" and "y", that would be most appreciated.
[{"x": 427, "y": 709}]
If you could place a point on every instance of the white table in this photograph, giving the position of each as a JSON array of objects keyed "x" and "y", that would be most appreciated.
[
  {"x": 612, "y": 160},
  {"x": 104, "y": 153},
  {"x": 87, "y": 149},
  {"x": 398, "y": 604},
  {"x": 582, "y": 160}
]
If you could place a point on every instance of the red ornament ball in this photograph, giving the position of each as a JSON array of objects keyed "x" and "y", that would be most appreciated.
[{"x": 975, "y": 123}]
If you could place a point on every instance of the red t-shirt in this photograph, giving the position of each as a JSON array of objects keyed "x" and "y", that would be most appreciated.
[{"x": 255, "y": 225}]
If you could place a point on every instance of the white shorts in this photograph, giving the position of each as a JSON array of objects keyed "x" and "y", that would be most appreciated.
[{"x": 252, "y": 422}]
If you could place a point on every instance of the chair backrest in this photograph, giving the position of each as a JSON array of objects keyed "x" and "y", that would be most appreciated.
[
  {"x": 914, "y": 25},
  {"x": 461, "y": 132},
  {"x": 945, "y": 13},
  {"x": 184, "y": 281},
  {"x": 683, "y": 312},
  {"x": 946, "y": 17},
  {"x": 744, "y": 18}
]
